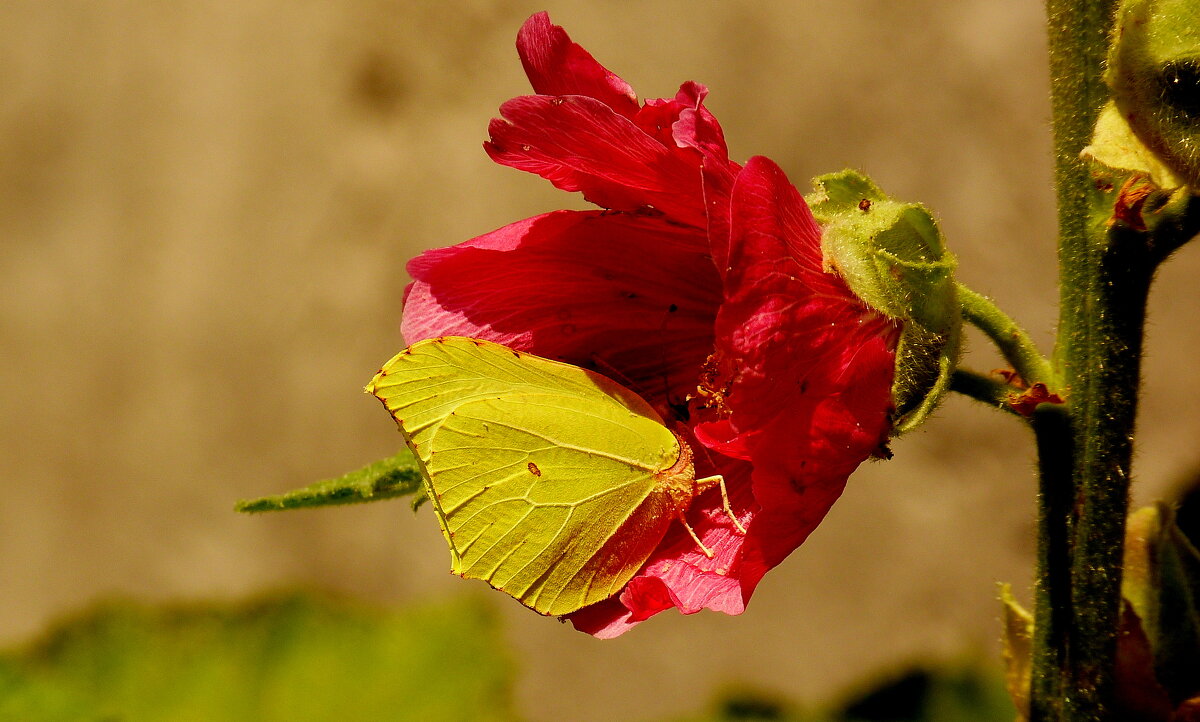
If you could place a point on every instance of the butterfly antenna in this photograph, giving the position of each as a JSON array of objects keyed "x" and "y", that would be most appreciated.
[
  {"x": 680, "y": 410},
  {"x": 613, "y": 372}
]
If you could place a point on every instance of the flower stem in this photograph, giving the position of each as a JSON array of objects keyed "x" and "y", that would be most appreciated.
[
  {"x": 1085, "y": 456},
  {"x": 982, "y": 388},
  {"x": 1012, "y": 340},
  {"x": 1052, "y": 611}
]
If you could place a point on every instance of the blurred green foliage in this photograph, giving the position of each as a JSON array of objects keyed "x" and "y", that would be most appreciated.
[
  {"x": 961, "y": 693},
  {"x": 293, "y": 658},
  {"x": 300, "y": 657}
]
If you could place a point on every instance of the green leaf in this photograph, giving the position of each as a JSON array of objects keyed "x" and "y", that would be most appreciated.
[
  {"x": 290, "y": 658},
  {"x": 932, "y": 694},
  {"x": 1178, "y": 643},
  {"x": 385, "y": 479},
  {"x": 551, "y": 483},
  {"x": 919, "y": 693}
]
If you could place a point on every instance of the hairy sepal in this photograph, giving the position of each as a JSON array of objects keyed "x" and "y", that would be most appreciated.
[{"x": 892, "y": 256}]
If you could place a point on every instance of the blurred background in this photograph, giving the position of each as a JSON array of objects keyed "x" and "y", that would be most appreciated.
[{"x": 205, "y": 212}]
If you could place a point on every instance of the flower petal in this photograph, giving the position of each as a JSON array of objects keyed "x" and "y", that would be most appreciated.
[
  {"x": 609, "y": 619},
  {"x": 580, "y": 144},
  {"x": 630, "y": 296},
  {"x": 686, "y": 123},
  {"x": 678, "y": 574},
  {"x": 802, "y": 373},
  {"x": 557, "y": 66}
]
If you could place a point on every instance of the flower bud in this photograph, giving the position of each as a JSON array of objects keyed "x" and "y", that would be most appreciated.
[
  {"x": 892, "y": 257},
  {"x": 1154, "y": 72}
]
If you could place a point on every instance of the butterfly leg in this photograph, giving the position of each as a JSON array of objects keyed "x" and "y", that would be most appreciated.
[
  {"x": 707, "y": 483},
  {"x": 683, "y": 520}
]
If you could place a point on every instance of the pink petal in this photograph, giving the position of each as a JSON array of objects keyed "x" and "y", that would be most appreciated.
[
  {"x": 604, "y": 620},
  {"x": 630, "y": 296},
  {"x": 683, "y": 121},
  {"x": 579, "y": 144},
  {"x": 696, "y": 581},
  {"x": 679, "y": 574},
  {"x": 557, "y": 66}
]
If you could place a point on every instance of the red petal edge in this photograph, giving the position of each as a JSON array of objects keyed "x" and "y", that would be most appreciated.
[
  {"x": 584, "y": 131},
  {"x": 579, "y": 144},
  {"x": 557, "y": 66}
]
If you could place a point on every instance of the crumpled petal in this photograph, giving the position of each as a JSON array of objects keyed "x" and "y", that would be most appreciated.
[
  {"x": 632, "y": 297},
  {"x": 557, "y": 66},
  {"x": 580, "y": 133},
  {"x": 579, "y": 144},
  {"x": 800, "y": 386},
  {"x": 685, "y": 121},
  {"x": 803, "y": 370}
]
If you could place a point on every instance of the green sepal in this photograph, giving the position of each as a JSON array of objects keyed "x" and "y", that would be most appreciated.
[
  {"x": 387, "y": 478},
  {"x": 1017, "y": 650},
  {"x": 1162, "y": 587},
  {"x": 1115, "y": 146},
  {"x": 892, "y": 256},
  {"x": 1153, "y": 70}
]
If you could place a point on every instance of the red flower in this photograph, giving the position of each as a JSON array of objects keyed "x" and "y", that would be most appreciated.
[{"x": 702, "y": 287}]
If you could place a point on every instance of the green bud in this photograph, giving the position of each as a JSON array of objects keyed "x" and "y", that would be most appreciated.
[
  {"x": 1154, "y": 72},
  {"x": 891, "y": 255}
]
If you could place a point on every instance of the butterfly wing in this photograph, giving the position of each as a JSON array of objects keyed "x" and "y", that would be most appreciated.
[{"x": 545, "y": 477}]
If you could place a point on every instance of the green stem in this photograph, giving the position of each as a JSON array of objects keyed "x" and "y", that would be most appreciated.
[
  {"x": 1052, "y": 611},
  {"x": 1085, "y": 459},
  {"x": 1177, "y": 223},
  {"x": 982, "y": 388},
  {"x": 1012, "y": 340}
]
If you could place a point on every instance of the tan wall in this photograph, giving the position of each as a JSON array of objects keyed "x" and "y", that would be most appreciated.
[{"x": 205, "y": 210}]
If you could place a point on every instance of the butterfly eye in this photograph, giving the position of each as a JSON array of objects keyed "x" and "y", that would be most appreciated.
[{"x": 1179, "y": 84}]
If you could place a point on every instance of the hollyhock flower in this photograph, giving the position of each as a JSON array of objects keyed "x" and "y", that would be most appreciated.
[{"x": 702, "y": 286}]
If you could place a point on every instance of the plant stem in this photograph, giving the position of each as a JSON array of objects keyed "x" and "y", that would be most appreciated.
[
  {"x": 983, "y": 388},
  {"x": 1052, "y": 611},
  {"x": 1085, "y": 459},
  {"x": 1012, "y": 340}
]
